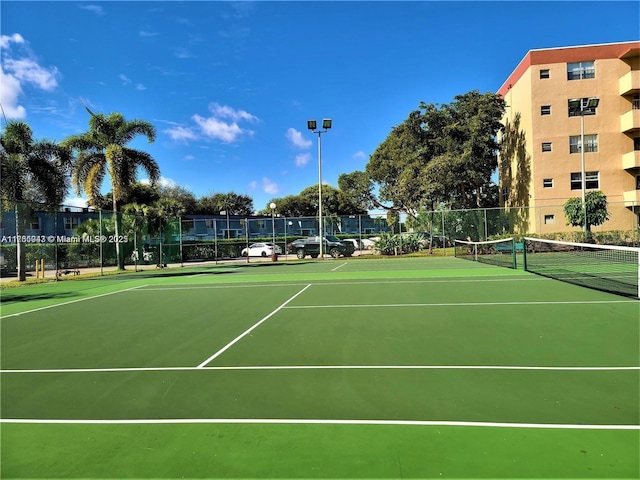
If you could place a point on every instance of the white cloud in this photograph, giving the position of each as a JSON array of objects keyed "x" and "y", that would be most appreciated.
[
  {"x": 295, "y": 137},
  {"x": 125, "y": 80},
  {"x": 222, "y": 125},
  {"x": 140, "y": 87},
  {"x": 20, "y": 71},
  {"x": 9, "y": 94},
  {"x": 163, "y": 182},
  {"x": 302, "y": 159},
  {"x": 225, "y": 111},
  {"x": 181, "y": 134},
  {"x": 359, "y": 154},
  {"x": 214, "y": 128},
  {"x": 6, "y": 40},
  {"x": 182, "y": 53},
  {"x": 269, "y": 186},
  {"x": 28, "y": 71},
  {"x": 145, "y": 34},
  {"x": 77, "y": 202},
  {"x": 97, "y": 9}
]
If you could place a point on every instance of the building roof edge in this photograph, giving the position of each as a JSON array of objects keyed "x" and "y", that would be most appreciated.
[{"x": 539, "y": 54}]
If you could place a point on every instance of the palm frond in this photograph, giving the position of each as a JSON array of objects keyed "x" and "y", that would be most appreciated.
[{"x": 146, "y": 162}]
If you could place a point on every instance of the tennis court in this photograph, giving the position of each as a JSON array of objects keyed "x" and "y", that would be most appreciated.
[{"x": 389, "y": 368}]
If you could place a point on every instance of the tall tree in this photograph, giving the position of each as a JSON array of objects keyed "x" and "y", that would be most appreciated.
[
  {"x": 438, "y": 155},
  {"x": 103, "y": 151},
  {"x": 595, "y": 209},
  {"x": 305, "y": 204},
  {"x": 230, "y": 202},
  {"x": 178, "y": 196},
  {"x": 32, "y": 172}
]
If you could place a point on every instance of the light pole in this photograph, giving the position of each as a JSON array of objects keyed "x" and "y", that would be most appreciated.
[
  {"x": 326, "y": 125},
  {"x": 226, "y": 212},
  {"x": 272, "y": 206},
  {"x": 579, "y": 106}
]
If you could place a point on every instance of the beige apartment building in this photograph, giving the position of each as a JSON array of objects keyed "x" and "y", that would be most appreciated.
[{"x": 560, "y": 99}]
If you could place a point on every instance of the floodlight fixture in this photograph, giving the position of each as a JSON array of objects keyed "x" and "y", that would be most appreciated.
[
  {"x": 575, "y": 104},
  {"x": 326, "y": 123},
  {"x": 312, "y": 124},
  {"x": 592, "y": 102}
]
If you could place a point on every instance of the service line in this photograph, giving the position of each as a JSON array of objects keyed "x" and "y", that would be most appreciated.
[
  {"x": 312, "y": 421},
  {"x": 71, "y": 301},
  {"x": 325, "y": 367},
  {"x": 232, "y": 342}
]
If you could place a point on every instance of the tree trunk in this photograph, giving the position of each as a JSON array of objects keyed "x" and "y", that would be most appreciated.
[
  {"x": 21, "y": 252},
  {"x": 117, "y": 225}
]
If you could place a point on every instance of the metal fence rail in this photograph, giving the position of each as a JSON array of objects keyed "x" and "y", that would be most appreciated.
[{"x": 78, "y": 238}]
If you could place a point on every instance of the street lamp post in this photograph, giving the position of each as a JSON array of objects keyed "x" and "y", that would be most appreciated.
[
  {"x": 578, "y": 106},
  {"x": 272, "y": 206},
  {"x": 226, "y": 212},
  {"x": 313, "y": 126}
]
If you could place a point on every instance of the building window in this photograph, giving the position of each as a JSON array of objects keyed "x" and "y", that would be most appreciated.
[
  {"x": 590, "y": 143},
  {"x": 70, "y": 223},
  {"x": 581, "y": 70},
  {"x": 546, "y": 146},
  {"x": 34, "y": 223},
  {"x": 584, "y": 109},
  {"x": 636, "y": 143},
  {"x": 547, "y": 183},
  {"x": 576, "y": 181},
  {"x": 635, "y": 102},
  {"x": 549, "y": 219},
  {"x": 592, "y": 181},
  {"x": 544, "y": 73},
  {"x": 545, "y": 110},
  {"x": 637, "y": 182}
]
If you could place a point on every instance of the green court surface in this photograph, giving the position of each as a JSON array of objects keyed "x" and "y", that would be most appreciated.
[{"x": 389, "y": 368}]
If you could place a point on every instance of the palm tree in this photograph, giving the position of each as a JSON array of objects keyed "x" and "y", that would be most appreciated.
[
  {"x": 102, "y": 151},
  {"x": 32, "y": 172}
]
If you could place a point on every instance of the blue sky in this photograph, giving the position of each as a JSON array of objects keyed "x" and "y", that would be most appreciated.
[{"x": 230, "y": 86}]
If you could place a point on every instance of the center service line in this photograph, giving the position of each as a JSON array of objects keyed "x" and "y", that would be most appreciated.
[
  {"x": 339, "y": 266},
  {"x": 228, "y": 345}
]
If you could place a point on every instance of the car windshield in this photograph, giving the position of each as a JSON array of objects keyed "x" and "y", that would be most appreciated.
[{"x": 331, "y": 238}]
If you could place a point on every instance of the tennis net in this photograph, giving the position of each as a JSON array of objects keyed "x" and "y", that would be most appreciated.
[
  {"x": 494, "y": 252},
  {"x": 608, "y": 268}
]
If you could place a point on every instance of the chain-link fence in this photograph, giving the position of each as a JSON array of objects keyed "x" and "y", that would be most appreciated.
[{"x": 77, "y": 238}]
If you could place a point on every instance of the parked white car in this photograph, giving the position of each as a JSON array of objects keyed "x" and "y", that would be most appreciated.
[
  {"x": 368, "y": 243},
  {"x": 260, "y": 249},
  {"x": 354, "y": 242}
]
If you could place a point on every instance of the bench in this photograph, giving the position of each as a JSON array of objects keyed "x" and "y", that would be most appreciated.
[{"x": 67, "y": 271}]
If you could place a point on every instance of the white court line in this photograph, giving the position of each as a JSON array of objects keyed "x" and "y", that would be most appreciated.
[
  {"x": 312, "y": 421},
  {"x": 71, "y": 301},
  {"x": 188, "y": 286},
  {"x": 228, "y": 345},
  {"x": 339, "y": 266},
  {"x": 467, "y": 304},
  {"x": 322, "y": 367}
]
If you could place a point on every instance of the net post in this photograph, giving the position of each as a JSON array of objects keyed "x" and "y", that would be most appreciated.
[
  {"x": 513, "y": 253},
  {"x": 524, "y": 253}
]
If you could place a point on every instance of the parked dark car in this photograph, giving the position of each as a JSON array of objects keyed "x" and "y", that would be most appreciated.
[{"x": 311, "y": 246}]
